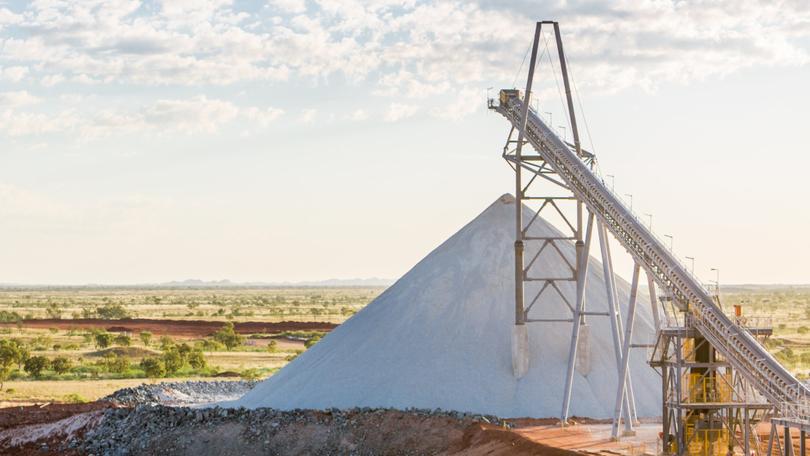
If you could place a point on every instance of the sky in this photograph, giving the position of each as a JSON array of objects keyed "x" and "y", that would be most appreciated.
[{"x": 291, "y": 140}]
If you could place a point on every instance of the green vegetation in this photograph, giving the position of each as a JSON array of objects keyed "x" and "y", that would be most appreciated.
[{"x": 87, "y": 362}]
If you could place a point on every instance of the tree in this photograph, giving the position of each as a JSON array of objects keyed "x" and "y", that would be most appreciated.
[
  {"x": 8, "y": 357},
  {"x": 61, "y": 365},
  {"x": 153, "y": 367},
  {"x": 197, "y": 359},
  {"x": 146, "y": 337},
  {"x": 228, "y": 337},
  {"x": 103, "y": 339},
  {"x": 123, "y": 340},
  {"x": 172, "y": 360},
  {"x": 35, "y": 365},
  {"x": 19, "y": 351}
]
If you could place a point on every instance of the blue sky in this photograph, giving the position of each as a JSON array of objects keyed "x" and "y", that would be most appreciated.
[{"x": 299, "y": 140}]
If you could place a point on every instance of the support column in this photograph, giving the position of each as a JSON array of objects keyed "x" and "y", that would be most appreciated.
[
  {"x": 654, "y": 303},
  {"x": 746, "y": 433},
  {"x": 579, "y": 319},
  {"x": 628, "y": 335},
  {"x": 788, "y": 442},
  {"x": 802, "y": 445},
  {"x": 612, "y": 307},
  {"x": 520, "y": 337}
]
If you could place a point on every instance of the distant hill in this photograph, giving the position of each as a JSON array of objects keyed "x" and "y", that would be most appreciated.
[{"x": 225, "y": 283}]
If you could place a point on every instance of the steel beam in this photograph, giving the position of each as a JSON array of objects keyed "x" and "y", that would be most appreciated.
[
  {"x": 621, "y": 391},
  {"x": 579, "y": 319}
]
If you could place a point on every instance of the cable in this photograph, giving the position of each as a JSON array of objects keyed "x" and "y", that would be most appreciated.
[
  {"x": 557, "y": 81},
  {"x": 521, "y": 65},
  {"x": 581, "y": 108}
]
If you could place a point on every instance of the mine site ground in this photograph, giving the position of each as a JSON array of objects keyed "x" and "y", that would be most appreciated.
[{"x": 270, "y": 327}]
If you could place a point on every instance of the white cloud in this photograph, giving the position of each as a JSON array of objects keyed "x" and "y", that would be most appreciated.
[
  {"x": 307, "y": 116},
  {"x": 198, "y": 114},
  {"x": 192, "y": 115},
  {"x": 17, "y": 98},
  {"x": 52, "y": 79},
  {"x": 399, "y": 111},
  {"x": 13, "y": 73},
  {"x": 400, "y": 50},
  {"x": 289, "y": 6},
  {"x": 358, "y": 115}
]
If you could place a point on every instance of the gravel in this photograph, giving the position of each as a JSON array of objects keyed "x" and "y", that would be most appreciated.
[
  {"x": 180, "y": 393},
  {"x": 184, "y": 430}
]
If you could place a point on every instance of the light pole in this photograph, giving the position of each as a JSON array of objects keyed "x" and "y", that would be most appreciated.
[
  {"x": 717, "y": 279},
  {"x": 671, "y": 239},
  {"x": 692, "y": 259},
  {"x": 650, "y": 216},
  {"x": 550, "y": 119},
  {"x": 564, "y": 131},
  {"x": 612, "y": 182},
  {"x": 488, "y": 89},
  {"x": 631, "y": 200}
]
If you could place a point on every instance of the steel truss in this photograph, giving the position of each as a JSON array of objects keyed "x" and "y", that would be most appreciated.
[
  {"x": 532, "y": 168},
  {"x": 727, "y": 340},
  {"x": 708, "y": 407}
]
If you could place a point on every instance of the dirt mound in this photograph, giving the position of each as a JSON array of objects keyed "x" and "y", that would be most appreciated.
[
  {"x": 132, "y": 352},
  {"x": 37, "y": 414},
  {"x": 185, "y": 328}
]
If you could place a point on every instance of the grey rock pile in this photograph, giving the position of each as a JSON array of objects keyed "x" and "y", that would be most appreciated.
[
  {"x": 183, "y": 430},
  {"x": 180, "y": 393}
]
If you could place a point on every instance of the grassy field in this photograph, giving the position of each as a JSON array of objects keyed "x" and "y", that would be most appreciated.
[{"x": 96, "y": 371}]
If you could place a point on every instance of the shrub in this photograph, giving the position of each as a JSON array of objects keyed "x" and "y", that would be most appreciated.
[
  {"x": 172, "y": 360},
  {"x": 250, "y": 374},
  {"x": 112, "y": 311},
  {"x": 802, "y": 330},
  {"x": 166, "y": 343},
  {"x": 153, "y": 367},
  {"x": 61, "y": 365},
  {"x": 74, "y": 398},
  {"x": 228, "y": 337},
  {"x": 196, "y": 359},
  {"x": 35, "y": 365},
  {"x": 116, "y": 364},
  {"x": 123, "y": 340},
  {"x": 312, "y": 341},
  {"x": 272, "y": 346},
  {"x": 103, "y": 339},
  {"x": 146, "y": 337}
]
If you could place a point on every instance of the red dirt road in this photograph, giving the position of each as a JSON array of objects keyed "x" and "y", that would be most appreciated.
[{"x": 184, "y": 328}]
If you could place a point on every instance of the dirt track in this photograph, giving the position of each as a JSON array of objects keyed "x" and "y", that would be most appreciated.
[{"x": 185, "y": 328}]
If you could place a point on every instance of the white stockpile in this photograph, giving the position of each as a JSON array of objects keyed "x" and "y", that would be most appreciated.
[{"x": 440, "y": 337}]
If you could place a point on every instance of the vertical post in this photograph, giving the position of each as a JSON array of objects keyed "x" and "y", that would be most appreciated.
[
  {"x": 579, "y": 319},
  {"x": 520, "y": 337},
  {"x": 519, "y": 316},
  {"x": 564, "y": 69},
  {"x": 746, "y": 433},
  {"x": 628, "y": 335},
  {"x": 617, "y": 313},
  {"x": 788, "y": 442},
  {"x": 611, "y": 295},
  {"x": 802, "y": 445},
  {"x": 654, "y": 303},
  {"x": 664, "y": 409}
]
